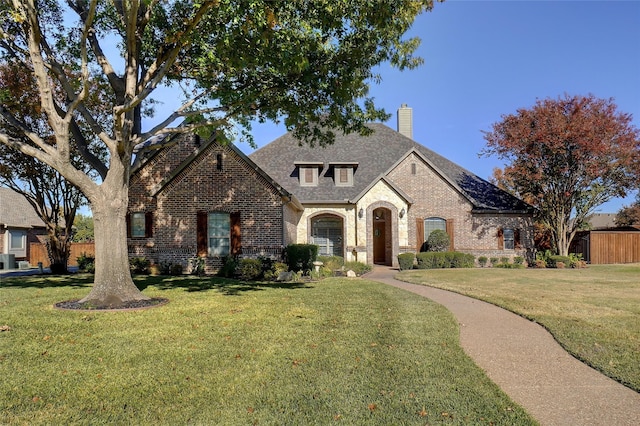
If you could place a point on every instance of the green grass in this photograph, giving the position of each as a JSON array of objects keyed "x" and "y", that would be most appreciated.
[
  {"x": 594, "y": 313},
  {"x": 225, "y": 352}
]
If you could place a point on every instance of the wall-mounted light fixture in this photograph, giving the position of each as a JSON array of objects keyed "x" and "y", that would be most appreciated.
[
  {"x": 361, "y": 213},
  {"x": 402, "y": 212}
]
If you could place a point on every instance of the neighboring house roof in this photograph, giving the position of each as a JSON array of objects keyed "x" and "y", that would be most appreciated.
[
  {"x": 602, "y": 220},
  {"x": 375, "y": 156},
  {"x": 16, "y": 212}
]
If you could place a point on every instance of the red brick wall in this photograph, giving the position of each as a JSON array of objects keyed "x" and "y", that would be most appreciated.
[
  {"x": 202, "y": 187},
  {"x": 434, "y": 197}
]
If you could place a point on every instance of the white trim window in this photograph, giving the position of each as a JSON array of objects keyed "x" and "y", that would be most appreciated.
[
  {"x": 433, "y": 223},
  {"x": 17, "y": 242},
  {"x": 326, "y": 233},
  {"x": 219, "y": 234},
  {"x": 308, "y": 176},
  {"x": 343, "y": 176},
  {"x": 509, "y": 238},
  {"x": 138, "y": 225}
]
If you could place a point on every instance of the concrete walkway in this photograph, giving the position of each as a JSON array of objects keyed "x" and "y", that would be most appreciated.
[{"x": 528, "y": 364}]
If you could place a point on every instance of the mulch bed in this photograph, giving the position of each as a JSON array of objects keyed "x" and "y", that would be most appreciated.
[{"x": 126, "y": 306}]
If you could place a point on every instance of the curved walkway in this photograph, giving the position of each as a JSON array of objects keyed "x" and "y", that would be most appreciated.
[{"x": 528, "y": 364}]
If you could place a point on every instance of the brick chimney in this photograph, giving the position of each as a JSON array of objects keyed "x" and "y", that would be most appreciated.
[{"x": 405, "y": 121}]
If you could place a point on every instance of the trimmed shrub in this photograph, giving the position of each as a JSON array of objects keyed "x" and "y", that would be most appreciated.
[
  {"x": 438, "y": 240},
  {"x": 482, "y": 261},
  {"x": 300, "y": 257},
  {"x": 493, "y": 261},
  {"x": 86, "y": 263},
  {"x": 139, "y": 265},
  {"x": 229, "y": 267},
  {"x": 449, "y": 259},
  {"x": 405, "y": 261},
  {"x": 462, "y": 260},
  {"x": 518, "y": 260},
  {"x": 358, "y": 267},
  {"x": 176, "y": 269},
  {"x": 250, "y": 269}
]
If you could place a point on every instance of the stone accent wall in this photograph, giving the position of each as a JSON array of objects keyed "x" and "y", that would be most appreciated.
[{"x": 202, "y": 186}]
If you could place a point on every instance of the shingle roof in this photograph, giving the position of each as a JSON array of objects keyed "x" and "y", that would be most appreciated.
[
  {"x": 376, "y": 155},
  {"x": 16, "y": 212}
]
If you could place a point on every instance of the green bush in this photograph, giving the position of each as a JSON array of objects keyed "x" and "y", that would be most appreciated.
[
  {"x": 274, "y": 272},
  {"x": 229, "y": 267},
  {"x": 250, "y": 269},
  {"x": 448, "y": 259},
  {"x": 405, "y": 261},
  {"x": 358, "y": 267},
  {"x": 86, "y": 263},
  {"x": 139, "y": 265},
  {"x": 462, "y": 260},
  {"x": 518, "y": 260},
  {"x": 554, "y": 259},
  {"x": 331, "y": 263},
  {"x": 165, "y": 267},
  {"x": 493, "y": 261},
  {"x": 482, "y": 261},
  {"x": 438, "y": 240},
  {"x": 176, "y": 269},
  {"x": 300, "y": 257},
  {"x": 196, "y": 265}
]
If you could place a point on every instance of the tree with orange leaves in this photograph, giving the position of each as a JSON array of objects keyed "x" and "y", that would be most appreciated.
[{"x": 567, "y": 156}]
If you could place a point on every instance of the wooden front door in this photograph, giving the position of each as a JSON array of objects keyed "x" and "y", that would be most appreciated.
[{"x": 379, "y": 243}]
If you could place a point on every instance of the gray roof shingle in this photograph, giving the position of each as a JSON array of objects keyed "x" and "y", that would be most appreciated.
[
  {"x": 375, "y": 155},
  {"x": 16, "y": 212}
]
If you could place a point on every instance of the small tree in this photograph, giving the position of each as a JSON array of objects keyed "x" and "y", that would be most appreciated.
[
  {"x": 567, "y": 156},
  {"x": 629, "y": 215},
  {"x": 438, "y": 240}
]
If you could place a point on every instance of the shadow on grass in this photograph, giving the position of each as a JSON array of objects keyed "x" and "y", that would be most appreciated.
[
  {"x": 225, "y": 286},
  {"x": 47, "y": 281}
]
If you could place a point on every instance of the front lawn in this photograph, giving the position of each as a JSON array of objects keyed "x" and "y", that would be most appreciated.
[
  {"x": 594, "y": 313},
  {"x": 341, "y": 350}
]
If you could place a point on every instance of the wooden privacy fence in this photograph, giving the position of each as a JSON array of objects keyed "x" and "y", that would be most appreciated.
[
  {"x": 606, "y": 247},
  {"x": 38, "y": 253}
]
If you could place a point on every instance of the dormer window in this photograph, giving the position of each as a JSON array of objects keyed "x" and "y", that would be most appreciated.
[
  {"x": 308, "y": 172},
  {"x": 343, "y": 173}
]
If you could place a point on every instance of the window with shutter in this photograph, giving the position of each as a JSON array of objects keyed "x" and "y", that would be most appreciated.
[
  {"x": 219, "y": 234},
  {"x": 138, "y": 225}
]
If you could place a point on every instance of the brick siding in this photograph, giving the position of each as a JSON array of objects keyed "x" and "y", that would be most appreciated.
[
  {"x": 435, "y": 197},
  {"x": 201, "y": 186}
]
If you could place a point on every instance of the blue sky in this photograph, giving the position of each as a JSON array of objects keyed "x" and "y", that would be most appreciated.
[{"x": 484, "y": 59}]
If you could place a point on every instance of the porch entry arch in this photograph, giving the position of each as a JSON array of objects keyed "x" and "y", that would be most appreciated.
[
  {"x": 382, "y": 234},
  {"x": 327, "y": 231}
]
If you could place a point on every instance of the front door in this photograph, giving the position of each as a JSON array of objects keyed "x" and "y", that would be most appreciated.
[{"x": 380, "y": 218}]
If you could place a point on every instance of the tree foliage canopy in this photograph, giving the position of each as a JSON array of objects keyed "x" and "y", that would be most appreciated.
[
  {"x": 567, "y": 156},
  {"x": 629, "y": 215},
  {"x": 306, "y": 62}
]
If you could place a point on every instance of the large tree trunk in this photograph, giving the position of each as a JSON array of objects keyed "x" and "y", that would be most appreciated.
[{"x": 113, "y": 284}]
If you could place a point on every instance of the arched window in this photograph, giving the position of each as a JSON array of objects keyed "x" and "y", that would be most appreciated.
[{"x": 326, "y": 233}]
